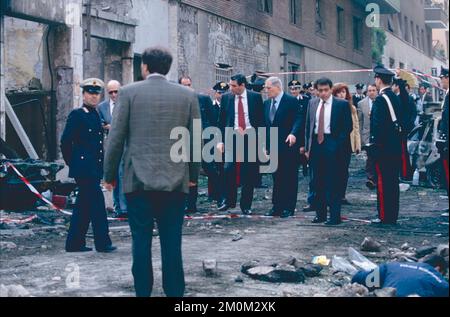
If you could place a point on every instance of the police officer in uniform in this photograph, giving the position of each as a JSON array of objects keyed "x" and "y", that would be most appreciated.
[
  {"x": 216, "y": 183},
  {"x": 359, "y": 94},
  {"x": 386, "y": 146},
  {"x": 295, "y": 89},
  {"x": 442, "y": 143},
  {"x": 82, "y": 149}
]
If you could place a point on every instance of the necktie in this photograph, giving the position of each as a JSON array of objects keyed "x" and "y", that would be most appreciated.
[
  {"x": 321, "y": 134},
  {"x": 241, "y": 115},
  {"x": 273, "y": 111}
]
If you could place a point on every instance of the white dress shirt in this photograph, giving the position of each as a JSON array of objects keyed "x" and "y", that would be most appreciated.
[
  {"x": 236, "y": 111},
  {"x": 112, "y": 104},
  {"x": 327, "y": 121}
]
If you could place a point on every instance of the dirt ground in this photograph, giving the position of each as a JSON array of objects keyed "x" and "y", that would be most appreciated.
[{"x": 37, "y": 260}]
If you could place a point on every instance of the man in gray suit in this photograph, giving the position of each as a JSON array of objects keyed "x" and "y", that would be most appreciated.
[
  {"x": 155, "y": 183},
  {"x": 106, "y": 110},
  {"x": 364, "y": 109}
]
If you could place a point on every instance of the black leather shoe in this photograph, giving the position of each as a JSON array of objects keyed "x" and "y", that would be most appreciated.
[
  {"x": 190, "y": 211},
  {"x": 82, "y": 249},
  {"x": 225, "y": 207},
  {"x": 371, "y": 184},
  {"x": 308, "y": 208},
  {"x": 247, "y": 212},
  {"x": 319, "y": 220},
  {"x": 273, "y": 213},
  {"x": 108, "y": 249},
  {"x": 333, "y": 223},
  {"x": 286, "y": 214}
]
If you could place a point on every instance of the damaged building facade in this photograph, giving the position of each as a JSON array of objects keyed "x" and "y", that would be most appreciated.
[{"x": 49, "y": 46}]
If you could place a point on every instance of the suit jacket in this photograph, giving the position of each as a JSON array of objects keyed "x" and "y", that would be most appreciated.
[
  {"x": 382, "y": 129},
  {"x": 364, "y": 120},
  {"x": 288, "y": 119},
  {"x": 149, "y": 110},
  {"x": 444, "y": 120},
  {"x": 104, "y": 111},
  {"x": 255, "y": 109},
  {"x": 206, "y": 105},
  {"x": 341, "y": 122}
]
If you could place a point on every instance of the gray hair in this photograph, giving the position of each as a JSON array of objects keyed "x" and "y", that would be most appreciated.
[{"x": 275, "y": 81}]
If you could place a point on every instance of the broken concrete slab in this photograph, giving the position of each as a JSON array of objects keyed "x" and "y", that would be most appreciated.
[
  {"x": 13, "y": 291},
  {"x": 249, "y": 265},
  {"x": 370, "y": 245},
  {"x": 386, "y": 292},
  {"x": 7, "y": 245},
  {"x": 282, "y": 273},
  {"x": 423, "y": 251},
  {"x": 210, "y": 267},
  {"x": 349, "y": 290}
]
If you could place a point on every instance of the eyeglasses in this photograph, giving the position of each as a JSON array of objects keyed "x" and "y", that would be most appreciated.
[{"x": 113, "y": 92}]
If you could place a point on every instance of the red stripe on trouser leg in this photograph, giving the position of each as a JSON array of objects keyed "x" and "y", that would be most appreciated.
[
  {"x": 238, "y": 174},
  {"x": 404, "y": 160},
  {"x": 380, "y": 191},
  {"x": 445, "y": 162}
]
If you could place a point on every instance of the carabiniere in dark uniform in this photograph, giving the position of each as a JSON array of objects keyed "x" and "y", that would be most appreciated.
[
  {"x": 82, "y": 149},
  {"x": 386, "y": 146}
]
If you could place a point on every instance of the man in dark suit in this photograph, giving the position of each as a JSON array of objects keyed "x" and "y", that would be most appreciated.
[
  {"x": 385, "y": 146},
  {"x": 328, "y": 127},
  {"x": 82, "y": 149},
  {"x": 283, "y": 112},
  {"x": 242, "y": 112},
  {"x": 155, "y": 182},
  {"x": 206, "y": 112}
]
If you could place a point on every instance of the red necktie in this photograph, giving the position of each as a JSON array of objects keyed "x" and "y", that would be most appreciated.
[
  {"x": 321, "y": 134},
  {"x": 241, "y": 115}
]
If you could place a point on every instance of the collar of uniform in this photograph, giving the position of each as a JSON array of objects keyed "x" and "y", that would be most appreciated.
[
  {"x": 383, "y": 89},
  {"x": 88, "y": 108}
]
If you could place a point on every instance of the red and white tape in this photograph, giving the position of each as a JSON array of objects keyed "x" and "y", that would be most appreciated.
[
  {"x": 188, "y": 218},
  {"x": 39, "y": 195}
]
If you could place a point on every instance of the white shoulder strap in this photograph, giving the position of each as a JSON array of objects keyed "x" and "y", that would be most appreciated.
[{"x": 391, "y": 109}]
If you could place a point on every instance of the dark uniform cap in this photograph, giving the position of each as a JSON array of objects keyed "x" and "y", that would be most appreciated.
[
  {"x": 221, "y": 87},
  {"x": 307, "y": 86},
  {"x": 294, "y": 84},
  {"x": 380, "y": 71},
  {"x": 359, "y": 86},
  {"x": 92, "y": 85},
  {"x": 399, "y": 81},
  {"x": 444, "y": 72}
]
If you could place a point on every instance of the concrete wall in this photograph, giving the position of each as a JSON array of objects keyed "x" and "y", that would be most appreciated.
[
  {"x": 205, "y": 39},
  {"x": 24, "y": 53},
  {"x": 403, "y": 52}
]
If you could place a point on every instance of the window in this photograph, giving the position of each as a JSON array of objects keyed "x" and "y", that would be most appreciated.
[
  {"x": 293, "y": 68},
  {"x": 401, "y": 65},
  {"x": 434, "y": 72},
  {"x": 406, "y": 31},
  {"x": 223, "y": 72},
  {"x": 137, "y": 60},
  {"x": 391, "y": 63},
  {"x": 390, "y": 24},
  {"x": 295, "y": 12},
  {"x": 413, "y": 39},
  {"x": 320, "y": 21},
  {"x": 340, "y": 24},
  {"x": 265, "y": 6},
  {"x": 423, "y": 40},
  {"x": 357, "y": 33},
  {"x": 419, "y": 44}
]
